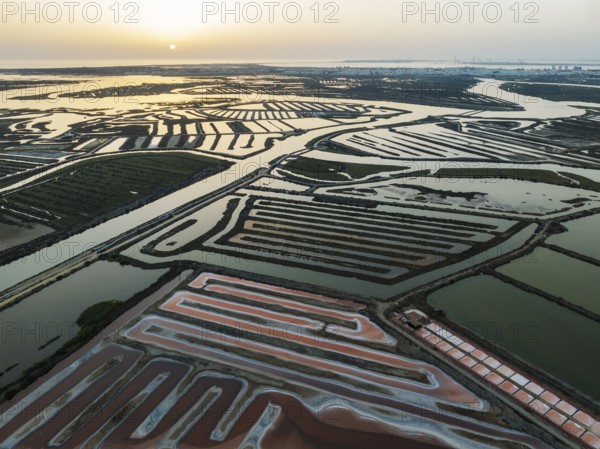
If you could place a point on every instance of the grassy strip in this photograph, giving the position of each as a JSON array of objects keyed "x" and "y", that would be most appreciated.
[
  {"x": 546, "y": 176},
  {"x": 584, "y": 182},
  {"x": 334, "y": 171},
  {"x": 130, "y": 90}
]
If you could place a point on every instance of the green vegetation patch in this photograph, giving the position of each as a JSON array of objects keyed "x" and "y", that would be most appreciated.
[
  {"x": 435, "y": 89},
  {"x": 79, "y": 193},
  {"x": 555, "y": 92},
  {"x": 98, "y": 313},
  {"x": 336, "y": 171},
  {"x": 130, "y": 90},
  {"x": 584, "y": 182},
  {"x": 546, "y": 176}
]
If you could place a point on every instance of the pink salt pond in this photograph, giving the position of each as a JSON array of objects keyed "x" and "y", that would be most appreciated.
[
  {"x": 506, "y": 371},
  {"x": 591, "y": 440},
  {"x": 523, "y": 397},
  {"x": 469, "y": 362},
  {"x": 540, "y": 407},
  {"x": 456, "y": 354},
  {"x": 444, "y": 347},
  {"x": 567, "y": 408},
  {"x": 534, "y": 388},
  {"x": 584, "y": 419},
  {"x": 481, "y": 370},
  {"x": 573, "y": 428},
  {"x": 550, "y": 398},
  {"x": 494, "y": 378},
  {"x": 520, "y": 379},
  {"x": 466, "y": 347},
  {"x": 509, "y": 387},
  {"x": 556, "y": 417},
  {"x": 480, "y": 355},
  {"x": 492, "y": 363}
]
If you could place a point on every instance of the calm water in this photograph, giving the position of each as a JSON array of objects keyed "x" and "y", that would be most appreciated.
[
  {"x": 559, "y": 275},
  {"x": 11, "y": 235},
  {"x": 53, "y": 312},
  {"x": 582, "y": 237},
  {"x": 541, "y": 332},
  {"x": 46, "y": 259}
]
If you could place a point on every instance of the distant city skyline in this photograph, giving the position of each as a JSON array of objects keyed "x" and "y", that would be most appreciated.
[{"x": 178, "y": 30}]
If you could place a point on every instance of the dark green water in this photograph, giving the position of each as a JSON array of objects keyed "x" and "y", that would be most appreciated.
[
  {"x": 49, "y": 316},
  {"x": 582, "y": 237},
  {"x": 562, "y": 276},
  {"x": 555, "y": 339}
]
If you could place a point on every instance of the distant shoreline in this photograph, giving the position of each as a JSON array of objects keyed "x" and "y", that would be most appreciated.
[{"x": 40, "y": 66}]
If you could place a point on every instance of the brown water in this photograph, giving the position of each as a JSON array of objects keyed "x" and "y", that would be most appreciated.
[{"x": 119, "y": 414}]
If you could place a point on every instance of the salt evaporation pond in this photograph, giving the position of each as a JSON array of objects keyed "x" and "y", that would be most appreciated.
[{"x": 556, "y": 340}]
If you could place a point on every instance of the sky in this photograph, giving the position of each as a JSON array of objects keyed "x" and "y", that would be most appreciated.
[{"x": 267, "y": 31}]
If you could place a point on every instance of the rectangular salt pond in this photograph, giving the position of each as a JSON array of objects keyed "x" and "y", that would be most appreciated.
[
  {"x": 582, "y": 237},
  {"x": 559, "y": 275},
  {"x": 557, "y": 340}
]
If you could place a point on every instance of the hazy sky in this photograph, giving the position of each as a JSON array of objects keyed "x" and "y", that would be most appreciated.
[{"x": 356, "y": 29}]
